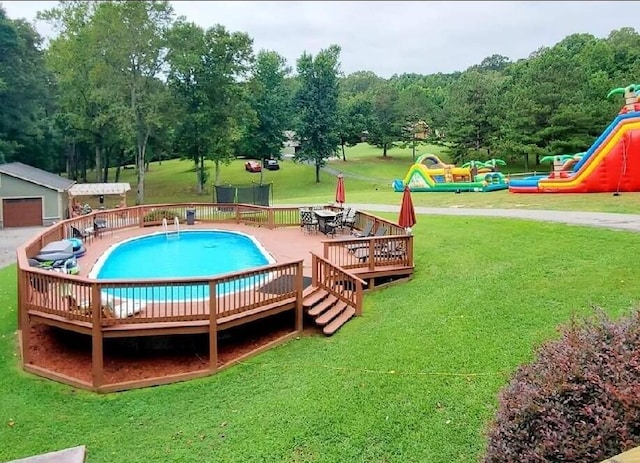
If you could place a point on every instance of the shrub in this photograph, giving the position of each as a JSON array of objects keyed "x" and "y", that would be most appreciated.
[
  {"x": 579, "y": 401},
  {"x": 158, "y": 214}
]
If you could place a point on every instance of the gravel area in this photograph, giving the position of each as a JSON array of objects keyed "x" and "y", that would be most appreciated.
[{"x": 11, "y": 238}]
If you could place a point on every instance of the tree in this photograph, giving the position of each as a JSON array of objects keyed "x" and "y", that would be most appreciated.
[
  {"x": 493, "y": 63},
  {"x": 413, "y": 106},
  {"x": 473, "y": 103},
  {"x": 317, "y": 104},
  {"x": 204, "y": 71},
  {"x": 359, "y": 83},
  {"x": 82, "y": 78},
  {"x": 27, "y": 132},
  {"x": 354, "y": 119},
  {"x": 387, "y": 122},
  {"x": 269, "y": 99},
  {"x": 132, "y": 39}
]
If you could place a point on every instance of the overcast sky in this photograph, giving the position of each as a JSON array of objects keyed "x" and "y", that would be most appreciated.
[{"x": 398, "y": 37}]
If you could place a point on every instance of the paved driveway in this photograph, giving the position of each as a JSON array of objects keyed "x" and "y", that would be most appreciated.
[
  {"x": 10, "y": 239},
  {"x": 609, "y": 220}
]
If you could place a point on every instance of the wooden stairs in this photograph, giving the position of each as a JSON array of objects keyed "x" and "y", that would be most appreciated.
[{"x": 326, "y": 310}]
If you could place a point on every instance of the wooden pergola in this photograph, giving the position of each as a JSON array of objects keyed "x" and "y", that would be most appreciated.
[{"x": 99, "y": 189}]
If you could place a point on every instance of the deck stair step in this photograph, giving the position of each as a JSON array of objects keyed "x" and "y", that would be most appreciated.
[
  {"x": 326, "y": 309},
  {"x": 309, "y": 290},
  {"x": 322, "y": 306},
  {"x": 314, "y": 298},
  {"x": 331, "y": 313},
  {"x": 340, "y": 320}
]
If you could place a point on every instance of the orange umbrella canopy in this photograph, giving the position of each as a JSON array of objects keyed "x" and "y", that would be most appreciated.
[
  {"x": 340, "y": 190},
  {"x": 407, "y": 217}
]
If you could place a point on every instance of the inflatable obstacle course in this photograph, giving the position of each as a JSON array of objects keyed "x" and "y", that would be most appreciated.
[{"x": 430, "y": 174}]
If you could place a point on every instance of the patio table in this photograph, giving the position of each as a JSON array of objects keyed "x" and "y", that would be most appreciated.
[{"x": 324, "y": 216}]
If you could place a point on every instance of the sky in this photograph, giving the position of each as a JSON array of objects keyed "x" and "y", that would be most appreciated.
[{"x": 396, "y": 37}]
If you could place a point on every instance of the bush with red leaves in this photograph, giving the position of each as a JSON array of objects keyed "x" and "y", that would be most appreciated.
[{"x": 579, "y": 401}]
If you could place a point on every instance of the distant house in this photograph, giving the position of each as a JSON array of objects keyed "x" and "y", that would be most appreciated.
[
  {"x": 420, "y": 130},
  {"x": 291, "y": 144},
  {"x": 30, "y": 196}
]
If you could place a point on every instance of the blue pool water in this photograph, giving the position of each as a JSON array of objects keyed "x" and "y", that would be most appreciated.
[{"x": 191, "y": 254}]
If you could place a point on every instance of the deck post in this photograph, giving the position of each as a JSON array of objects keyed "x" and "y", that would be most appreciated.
[
  {"x": 97, "y": 354},
  {"x": 270, "y": 214},
  {"x": 141, "y": 216},
  {"x": 314, "y": 270},
  {"x": 358, "y": 298},
  {"x": 372, "y": 254},
  {"x": 21, "y": 288},
  {"x": 24, "y": 322},
  {"x": 298, "y": 285},
  {"x": 213, "y": 327},
  {"x": 410, "y": 250}
]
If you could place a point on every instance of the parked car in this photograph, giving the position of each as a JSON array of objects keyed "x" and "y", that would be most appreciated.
[
  {"x": 271, "y": 164},
  {"x": 252, "y": 166}
]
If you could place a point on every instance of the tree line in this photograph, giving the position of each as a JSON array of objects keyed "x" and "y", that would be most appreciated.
[{"x": 124, "y": 83}]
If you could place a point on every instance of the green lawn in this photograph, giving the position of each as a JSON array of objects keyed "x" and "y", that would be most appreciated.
[
  {"x": 295, "y": 183},
  {"x": 414, "y": 379}
]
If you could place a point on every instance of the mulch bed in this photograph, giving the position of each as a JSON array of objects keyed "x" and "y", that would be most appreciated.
[{"x": 128, "y": 359}]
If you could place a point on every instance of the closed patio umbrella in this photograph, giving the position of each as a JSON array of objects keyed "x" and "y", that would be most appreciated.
[
  {"x": 340, "y": 190},
  {"x": 407, "y": 217}
]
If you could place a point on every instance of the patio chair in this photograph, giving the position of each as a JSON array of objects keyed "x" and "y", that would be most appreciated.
[
  {"x": 335, "y": 224},
  {"x": 308, "y": 220},
  {"x": 99, "y": 226},
  {"x": 350, "y": 218},
  {"x": 80, "y": 234}
]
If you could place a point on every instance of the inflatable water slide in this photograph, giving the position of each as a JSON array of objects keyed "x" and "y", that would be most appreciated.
[{"x": 611, "y": 164}]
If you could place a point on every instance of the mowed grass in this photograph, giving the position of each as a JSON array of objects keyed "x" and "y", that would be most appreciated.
[
  {"x": 368, "y": 179},
  {"x": 414, "y": 379}
]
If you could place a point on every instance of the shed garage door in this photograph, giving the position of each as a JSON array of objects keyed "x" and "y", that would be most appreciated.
[{"x": 23, "y": 212}]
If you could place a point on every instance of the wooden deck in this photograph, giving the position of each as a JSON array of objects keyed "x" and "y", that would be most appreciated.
[{"x": 104, "y": 309}]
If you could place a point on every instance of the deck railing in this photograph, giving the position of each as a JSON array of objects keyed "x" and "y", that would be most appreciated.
[
  {"x": 73, "y": 297},
  {"x": 369, "y": 254},
  {"x": 338, "y": 282},
  {"x": 152, "y": 301}
]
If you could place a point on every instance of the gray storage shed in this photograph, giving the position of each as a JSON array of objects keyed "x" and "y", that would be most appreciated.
[{"x": 30, "y": 196}]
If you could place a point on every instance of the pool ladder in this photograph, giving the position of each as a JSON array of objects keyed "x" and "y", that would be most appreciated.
[{"x": 165, "y": 228}]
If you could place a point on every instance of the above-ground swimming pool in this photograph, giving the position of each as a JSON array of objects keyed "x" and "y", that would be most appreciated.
[{"x": 189, "y": 254}]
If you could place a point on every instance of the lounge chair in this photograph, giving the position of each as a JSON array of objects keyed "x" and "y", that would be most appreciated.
[
  {"x": 381, "y": 231},
  {"x": 84, "y": 307},
  {"x": 366, "y": 231},
  {"x": 390, "y": 250},
  {"x": 110, "y": 309}
]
